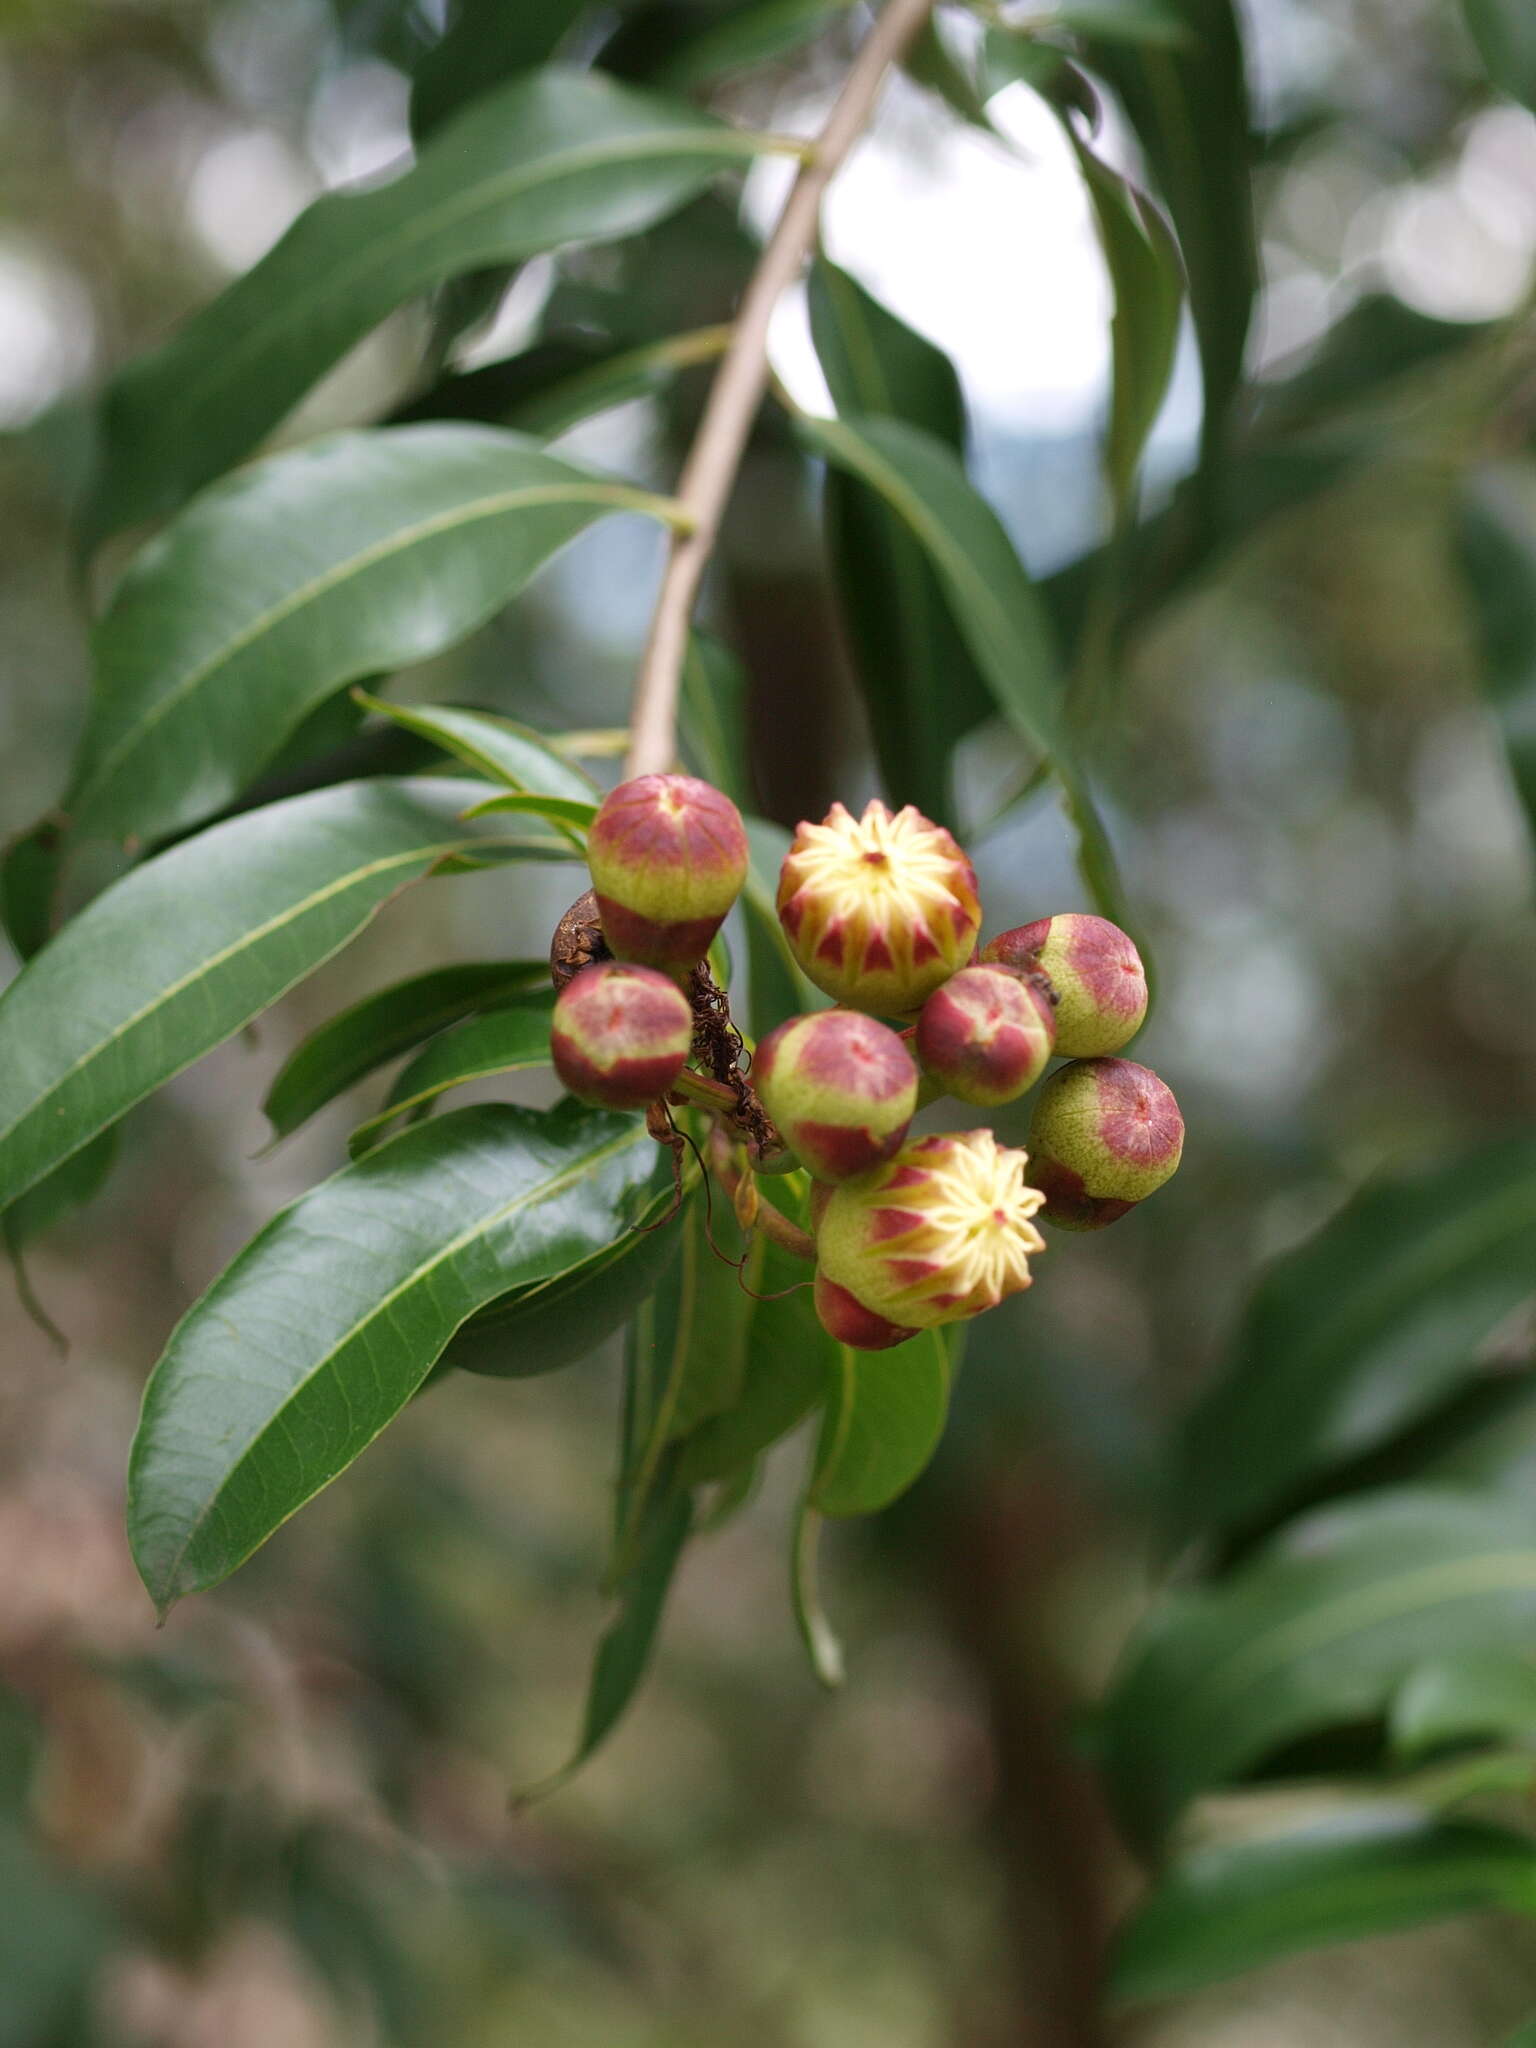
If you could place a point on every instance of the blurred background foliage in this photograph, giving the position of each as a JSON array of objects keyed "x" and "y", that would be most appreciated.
[{"x": 1309, "y": 693}]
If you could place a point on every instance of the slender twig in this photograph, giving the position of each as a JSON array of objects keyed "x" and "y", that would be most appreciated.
[{"x": 710, "y": 470}]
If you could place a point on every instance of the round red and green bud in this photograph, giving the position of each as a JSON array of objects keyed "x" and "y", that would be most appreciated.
[
  {"x": 878, "y": 910},
  {"x": 986, "y": 1036},
  {"x": 668, "y": 856},
  {"x": 1105, "y": 1134},
  {"x": 941, "y": 1232},
  {"x": 841, "y": 1087},
  {"x": 620, "y": 1035},
  {"x": 849, "y": 1322},
  {"x": 1097, "y": 975}
]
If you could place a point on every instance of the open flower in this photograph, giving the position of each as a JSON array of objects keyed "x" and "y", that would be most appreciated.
[
  {"x": 940, "y": 1233},
  {"x": 878, "y": 910}
]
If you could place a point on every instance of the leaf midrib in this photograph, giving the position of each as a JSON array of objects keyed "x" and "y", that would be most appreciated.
[
  {"x": 531, "y": 1197},
  {"x": 496, "y": 190},
  {"x": 621, "y": 496},
  {"x": 336, "y": 887}
]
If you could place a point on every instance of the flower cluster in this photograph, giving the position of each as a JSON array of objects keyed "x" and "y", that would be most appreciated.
[{"x": 881, "y": 912}]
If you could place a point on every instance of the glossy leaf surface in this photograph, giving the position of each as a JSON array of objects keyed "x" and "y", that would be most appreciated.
[
  {"x": 346, "y": 558},
  {"x": 329, "y": 1320},
  {"x": 350, "y": 1046},
  {"x": 503, "y": 1041},
  {"x": 177, "y": 955},
  {"x": 883, "y": 1423}
]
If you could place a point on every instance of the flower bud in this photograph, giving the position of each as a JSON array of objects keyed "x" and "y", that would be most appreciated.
[
  {"x": 851, "y": 1323},
  {"x": 1100, "y": 983},
  {"x": 1105, "y": 1135},
  {"x": 940, "y": 1233},
  {"x": 986, "y": 1035},
  {"x": 620, "y": 1035},
  {"x": 878, "y": 910},
  {"x": 668, "y": 856},
  {"x": 841, "y": 1087}
]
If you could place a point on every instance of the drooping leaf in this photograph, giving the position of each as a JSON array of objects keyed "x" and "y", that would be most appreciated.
[
  {"x": 1456, "y": 1700},
  {"x": 1494, "y": 545},
  {"x": 822, "y": 1646},
  {"x": 705, "y": 1309},
  {"x": 505, "y": 1040},
  {"x": 882, "y": 1425},
  {"x": 1360, "y": 1329},
  {"x": 351, "y": 1045},
  {"x": 1318, "y": 1631},
  {"x": 325, "y": 1325},
  {"x": 1144, "y": 274},
  {"x": 177, "y": 955},
  {"x": 70, "y": 1186},
  {"x": 343, "y": 559},
  {"x": 498, "y": 748},
  {"x": 1505, "y": 34},
  {"x": 997, "y": 608},
  {"x": 1188, "y": 103},
  {"x": 1234, "y": 1907},
  {"x": 552, "y": 158},
  {"x": 625, "y": 1650},
  {"x": 790, "y": 1366},
  {"x": 920, "y": 685}
]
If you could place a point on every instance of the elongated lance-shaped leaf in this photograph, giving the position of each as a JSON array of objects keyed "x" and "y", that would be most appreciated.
[
  {"x": 883, "y": 1422},
  {"x": 330, "y": 1319},
  {"x": 1494, "y": 546},
  {"x": 1448, "y": 1701},
  {"x": 343, "y": 559},
  {"x": 822, "y": 1645},
  {"x": 486, "y": 42},
  {"x": 553, "y": 158},
  {"x": 396, "y": 1019},
  {"x": 1188, "y": 103},
  {"x": 995, "y": 605},
  {"x": 1147, "y": 282},
  {"x": 503, "y": 1041},
  {"x": 919, "y": 681},
  {"x": 1235, "y": 1906},
  {"x": 177, "y": 955},
  {"x": 1318, "y": 1632},
  {"x": 1360, "y": 1330},
  {"x": 499, "y": 748}
]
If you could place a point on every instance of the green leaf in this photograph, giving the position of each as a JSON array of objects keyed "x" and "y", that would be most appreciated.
[
  {"x": 821, "y": 1642},
  {"x": 553, "y": 158},
  {"x": 1456, "y": 1700},
  {"x": 178, "y": 954},
  {"x": 625, "y": 1650},
  {"x": 29, "y": 877},
  {"x": 330, "y": 1319},
  {"x": 1505, "y": 34},
  {"x": 705, "y": 1309},
  {"x": 503, "y": 1041},
  {"x": 1319, "y": 1631},
  {"x": 1189, "y": 106},
  {"x": 498, "y": 748},
  {"x": 713, "y": 716},
  {"x": 997, "y": 608},
  {"x": 1145, "y": 276},
  {"x": 559, "y": 810},
  {"x": 1494, "y": 546},
  {"x": 1523, "y": 2037},
  {"x": 920, "y": 685},
  {"x": 1160, "y": 23},
  {"x": 751, "y": 35},
  {"x": 1361, "y": 1329},
  {"x": 70, "y": 1186},
  {"x": 345, "y": 558},
  {"x": 882, "y": 1425},
  {"x": 382, "y": 1026},
  {"x": 1234, "y": 1907},
  {"x": 540, "y": 1329},
  {"x": 790, "y": 1366},
  {"x": 486, "y": 42}
]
